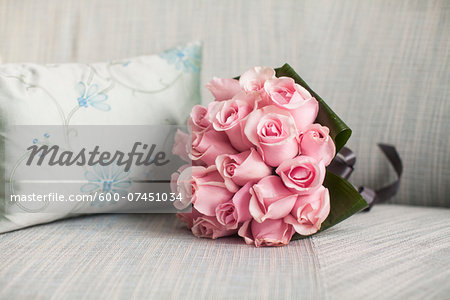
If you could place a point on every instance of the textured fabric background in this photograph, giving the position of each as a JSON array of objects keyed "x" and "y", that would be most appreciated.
[
  {"x": 382, "y": 65},
  {"x": 378, "y": 255}
]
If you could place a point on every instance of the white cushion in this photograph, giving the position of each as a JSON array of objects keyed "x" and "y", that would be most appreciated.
[{"x": 145, "y": 90}]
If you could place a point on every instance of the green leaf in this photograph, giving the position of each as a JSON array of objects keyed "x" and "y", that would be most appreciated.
[
  {"x": 344, "y": 202},
  {"x": 339, "y": 131}
]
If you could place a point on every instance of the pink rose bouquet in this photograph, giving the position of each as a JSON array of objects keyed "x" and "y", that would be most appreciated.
[{"x": 259, "y": 156}]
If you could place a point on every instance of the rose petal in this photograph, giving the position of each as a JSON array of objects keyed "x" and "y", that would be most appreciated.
[{"x": 223, "y": 88}]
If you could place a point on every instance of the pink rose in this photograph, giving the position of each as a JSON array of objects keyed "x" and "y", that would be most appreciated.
[
  {"x": 181, "y": 144},
  {"x": 209, "y": 227},
  {"x": 235, "y": 212},
  {"x": 198, "y": 120},
  {"x": 207, "y": 145},
  {"x": 310, "y": 211},
  {"x": 285, "y": 93},
  {"x": 253, "y": 80},
  {"x": 226, "y": 215},
  {"x": 209, "y": 190},
  {"x": 229, "y": 116},
  {"x": 302, "y": 175},
  {"x": 196, "y": 184},
  {"x": 189, "y": 218},
  {"x": 316, "y": 142},
  {"x": 268, "y": 233},
  {"x": 223, "y": 88},
  {"x": 181, "y": 185},
  {"x": 273, "y": 132},
  {"x": 239, "y": 169},
  {"x": 270, "y": 199}
]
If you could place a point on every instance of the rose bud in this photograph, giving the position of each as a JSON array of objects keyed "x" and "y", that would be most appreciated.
[
  {"x": 207, "y": 145},
  {"x": 310, "y": 211},
  {"x": 253, "y": 80},
  {"x": 209, "y": 227},
  {"x": 234, "y": 212},
  {"x": 316, "y": 142},
  {"x": 182, "y": 187},
  {"x": 197, "y": 184},
  {"x": 273, "y": 132},
  {"x": 198, "y": 120},
  {"x": 223, "y": 88},
  {"x": 302, "y": 175},
  {"x": 180, "y": 147},
  {"x": 229, "y": 116},
  {"x": 268, "y": 233},
  {"x": 239, "y": 169},
  {"x": 189, "y": 218},
  {"x": 285, "y": 93},
  {"x": 270, "y": 199}
]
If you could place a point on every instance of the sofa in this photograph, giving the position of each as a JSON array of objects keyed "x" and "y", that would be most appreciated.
[{"x": 384, "y": 68}]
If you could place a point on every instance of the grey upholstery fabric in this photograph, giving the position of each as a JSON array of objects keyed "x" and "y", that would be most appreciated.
[
  {"x": 383, "y": 254},
  {"x": 392, "y": 252},
  {"x": 382, "y": 65}
]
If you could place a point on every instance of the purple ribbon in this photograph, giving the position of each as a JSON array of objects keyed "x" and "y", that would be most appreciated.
[{"x": 343, "y": 166}]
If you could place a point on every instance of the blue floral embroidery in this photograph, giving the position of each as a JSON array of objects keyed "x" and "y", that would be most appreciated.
[
  {"x": 110, "y": 179},
  {"x": 185, "y": 58},
  {"x": 35, "y": 141},
  {"x": 89, "y": 96}
]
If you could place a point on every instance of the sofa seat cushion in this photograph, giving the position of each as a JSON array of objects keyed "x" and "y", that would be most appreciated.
[{"x": 390, "y": 252}]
